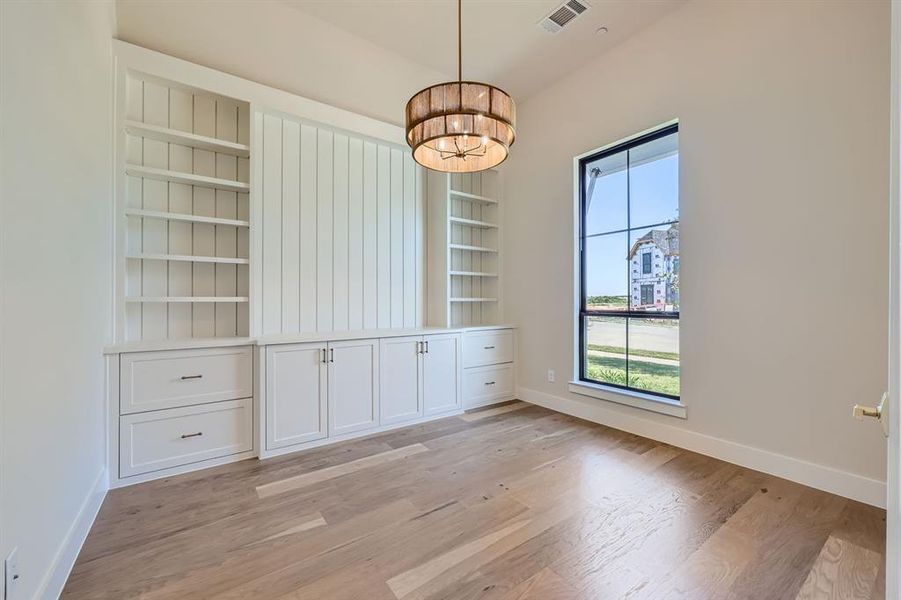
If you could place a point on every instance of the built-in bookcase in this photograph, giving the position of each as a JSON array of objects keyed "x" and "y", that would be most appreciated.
[
  {"x": 464, "y": 249},
  {"x": 184, "y": 210}
]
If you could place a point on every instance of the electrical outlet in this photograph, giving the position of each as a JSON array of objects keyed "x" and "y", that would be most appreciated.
[
  {"x": 11, "y": 574},
  {"x": 551, "y": 376}
]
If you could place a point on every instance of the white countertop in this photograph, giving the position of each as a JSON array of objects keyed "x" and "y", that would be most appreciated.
[{"x": 291, "y": 338}]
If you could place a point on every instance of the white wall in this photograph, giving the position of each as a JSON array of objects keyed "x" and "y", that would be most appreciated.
[
  {"x": 269, "y": 42},
  {"x": 784, "y": 112},
  {"x": 54, "y": 273}
]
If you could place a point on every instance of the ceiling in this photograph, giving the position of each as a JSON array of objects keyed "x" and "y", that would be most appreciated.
[{"x": 502, "y": 43}]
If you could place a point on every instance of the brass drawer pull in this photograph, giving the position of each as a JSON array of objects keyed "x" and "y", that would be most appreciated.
[
  {"x": 183, "y": 377},
  {"x": 185, "y": 436}
]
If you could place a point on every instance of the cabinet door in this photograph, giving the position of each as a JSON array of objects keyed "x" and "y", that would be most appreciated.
[
  {"x": 401, "y": 379},
  {"x": 353, "y": 385},
  {"x": 296, "y": 399},
  {"x": 441, "y": 373}
]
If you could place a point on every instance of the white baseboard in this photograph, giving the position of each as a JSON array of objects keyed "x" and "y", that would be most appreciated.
[
  {"x": 842, "y": 483},
  {"x": 58, "y": 573}
]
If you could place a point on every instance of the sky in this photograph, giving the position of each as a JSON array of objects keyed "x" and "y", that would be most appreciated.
[{"x": 654, "y": 199}]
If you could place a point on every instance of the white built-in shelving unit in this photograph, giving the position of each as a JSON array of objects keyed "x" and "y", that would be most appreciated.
[
  {"x": 464, "y": 248},
  {"x": 183, "y": 183}
]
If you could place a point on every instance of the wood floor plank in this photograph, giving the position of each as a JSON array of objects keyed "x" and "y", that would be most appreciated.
[
  {"x": 544, "y": 585},
  {"x": 404, "y": 584},
  {"x": 304, "y": 525},
  {"x": 843, "y": 571},
  {"x": 299, "y": 481},
  {"x": 493, "y": 412},
  {"x": 513, "y": 502}
]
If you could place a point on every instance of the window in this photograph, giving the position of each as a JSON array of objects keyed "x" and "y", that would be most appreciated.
[{"x": 629, "y": 314}]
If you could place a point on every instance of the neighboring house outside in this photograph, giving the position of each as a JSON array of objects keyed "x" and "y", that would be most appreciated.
[{"x": 654, "y": 266}]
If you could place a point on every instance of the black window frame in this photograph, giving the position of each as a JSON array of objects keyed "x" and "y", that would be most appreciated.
[{"x": 626, "y": 315}]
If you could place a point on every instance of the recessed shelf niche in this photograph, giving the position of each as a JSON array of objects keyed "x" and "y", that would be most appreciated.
[
  {"x": 184, "y": 156},
  {"x": 464, "y": 249}
]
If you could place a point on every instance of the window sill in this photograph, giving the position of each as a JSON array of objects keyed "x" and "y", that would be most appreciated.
[{"x": 664, "y": 406}]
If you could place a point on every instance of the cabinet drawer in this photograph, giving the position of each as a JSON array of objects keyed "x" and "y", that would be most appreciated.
[
  {"x": 158, "y": 380},
  {"x": 180, "y": 436},
  {"x": 487, "y": 348},
  {"x": 484, "y": 385}
]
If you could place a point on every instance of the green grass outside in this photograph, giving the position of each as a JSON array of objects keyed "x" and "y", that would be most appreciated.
[
  {"x": 607, "y": 302},
  {"x": 634, "y": 352},
  {"x": 652, "y": 377}
]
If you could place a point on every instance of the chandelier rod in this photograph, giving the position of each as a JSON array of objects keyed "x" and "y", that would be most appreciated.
[{"x": 460, "y": 41}]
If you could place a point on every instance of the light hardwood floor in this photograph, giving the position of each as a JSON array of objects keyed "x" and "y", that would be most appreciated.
[{"x": 511, "y": 503}]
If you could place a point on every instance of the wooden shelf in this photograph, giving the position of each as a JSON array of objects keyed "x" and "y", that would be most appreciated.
[
  {"x": 187, "y": 299},
  {"x": 187, "y": 258},
  {"x": 472, "y": 274},
  {"x": 473, "y": 299},
  {"x": 169, "y": 216},
  {"x": 472, "y": 197},
  {"x": 187, "y": 178},
  {"x": 473, "y": 223},
  {"x": 471, "y": 248},
  {"x": 164, "y": 134}
]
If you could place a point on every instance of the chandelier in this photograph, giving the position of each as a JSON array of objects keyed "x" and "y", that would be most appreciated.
[{"x": 460, "y": 126}]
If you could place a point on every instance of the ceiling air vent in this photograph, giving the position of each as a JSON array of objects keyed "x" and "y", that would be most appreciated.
[{"x": 563, "y": 15}]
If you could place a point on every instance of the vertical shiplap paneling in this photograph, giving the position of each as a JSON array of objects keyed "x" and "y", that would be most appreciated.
[
  {"x": 134, "y": 154},
  {"x": 325, "y": 218},
  {"x": 409, "y": 240},
  {"x": 370, "y": 236},
  {"x": 181, "y": 158},
  {"x": 258, "y": 218},
  {"x": 309, "y": 158},
  {"x": 204, "y": 241},
  {"x": 290, "y": 225},
  {"x": 154, "y": 235},
  {"x": 383, "y": 207},
  {"x": 226, "y": 314},
  {"x": 421, "y": 218},
  {"x": 243, "y": 234},
  {"x": 397, "y": 238},
  {"x": 272, "y": 225},
  {"x": 355, "y": 235},
  {"x": 351, "y": 241},
  {"x": 340, "y": 224}
]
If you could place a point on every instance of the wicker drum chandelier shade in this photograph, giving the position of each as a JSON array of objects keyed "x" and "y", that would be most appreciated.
[{"x": 460, "y": 126}]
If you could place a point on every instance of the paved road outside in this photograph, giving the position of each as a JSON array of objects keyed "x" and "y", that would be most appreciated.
[{"x": 645, "y": 337}]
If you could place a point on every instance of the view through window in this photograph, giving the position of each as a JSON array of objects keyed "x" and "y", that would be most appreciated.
[{"x": 629, "y": 260}]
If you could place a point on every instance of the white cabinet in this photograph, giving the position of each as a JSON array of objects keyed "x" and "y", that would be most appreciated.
[
  {"x": 441, "y": 373},
  {"x": 421, "y": 376},
  {"x": 353, "y": 386},
  {"x": 492, "y": 347},
  {"x": 401, "y": 379},
  {"x": 160, "y": 439},
  {"x": 489, "y": 366},
  {"x": 486, "y": 385},
  {"x": 328, "y": 390},
  {"x": 159, "y": 380},
  {"x": 296, "y": 394},
  {"x": 319, "y": 390}
]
